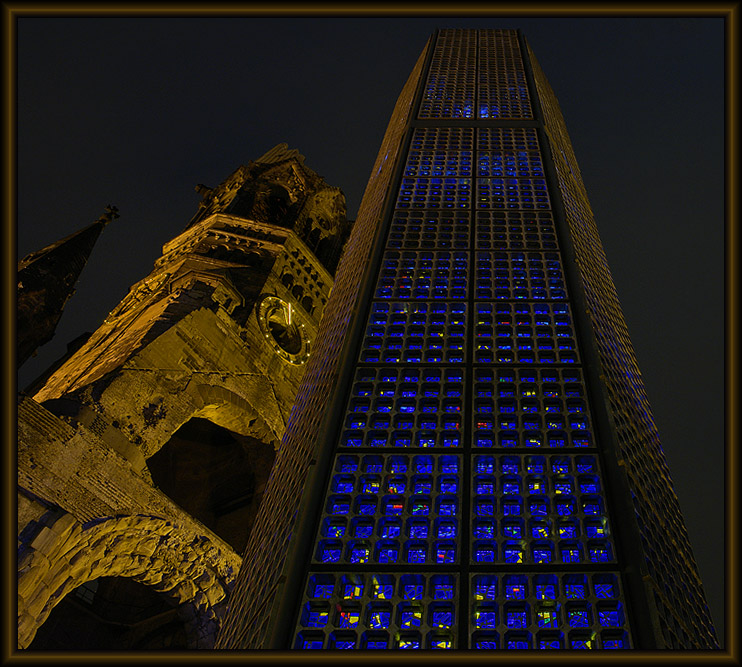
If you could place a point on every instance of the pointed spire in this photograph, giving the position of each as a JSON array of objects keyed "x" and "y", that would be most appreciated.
[{"x": 46, "y": 281}]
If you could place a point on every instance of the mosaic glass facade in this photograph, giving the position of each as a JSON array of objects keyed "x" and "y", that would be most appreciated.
[{"x": 466, "y": 499}]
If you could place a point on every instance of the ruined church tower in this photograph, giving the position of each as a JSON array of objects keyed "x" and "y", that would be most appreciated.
[{"x": 143, "y": 457}]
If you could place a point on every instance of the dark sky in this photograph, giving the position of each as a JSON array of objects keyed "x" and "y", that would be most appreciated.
[{"x": 136, "y": 111}]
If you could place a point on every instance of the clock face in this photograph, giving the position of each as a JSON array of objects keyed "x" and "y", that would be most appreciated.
[{"x": 283, "y": 329}]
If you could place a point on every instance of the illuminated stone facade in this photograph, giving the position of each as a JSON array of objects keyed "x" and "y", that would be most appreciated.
[
  {"x": 471, "y": 462},
  {"x": 143, "y": 458}
]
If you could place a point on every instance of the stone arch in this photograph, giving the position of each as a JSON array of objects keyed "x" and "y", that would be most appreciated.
[
  {"x": 216, "y": 475},
  {"x": 190, "y": 568},
  {"x": 233, "y": 412}
]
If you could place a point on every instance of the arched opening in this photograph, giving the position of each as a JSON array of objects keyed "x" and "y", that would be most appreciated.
[
  {"x": 215, "y": 475},
  {"x": 112, "y": 613}
]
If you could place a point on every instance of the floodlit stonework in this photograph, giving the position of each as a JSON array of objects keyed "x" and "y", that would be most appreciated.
[{"x": 143, "y": 457}]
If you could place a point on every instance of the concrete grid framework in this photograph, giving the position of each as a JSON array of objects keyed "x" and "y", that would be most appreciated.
[{"x": 488, "y": 473}]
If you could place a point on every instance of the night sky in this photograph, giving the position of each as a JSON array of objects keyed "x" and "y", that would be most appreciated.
[{"x": 135, "y": 112}]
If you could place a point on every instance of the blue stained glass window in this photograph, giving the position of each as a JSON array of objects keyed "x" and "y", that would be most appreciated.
[
  {"x": 349, "y": 618},
  {"x": 394, "y": 485},
  {"x": 416, "y": 553},
  {"x": 410, "y": 617},
  {"x": 538, "y": 507},
  {"x": 485, "y": 618},
  {"x": 382, "y": 587},
  {"x": 442, "y": 618},
  {"x": 547, "y": 618},
  {"x": 370, "y": 484},
  {"x": 409, "y": 643},
  {"x": 484, "y": 529},
  {"x": 610, "y": 617},
  {"x": 513, "y": 554},
  {"x": 599, "y": 554},
  {"x": 315, "y": 617},
  {"x": 329, "y": 553},
  {"x": 484, "y": 554},
  {"x": 567, "y": 530},
  {"x": 447, "y": 507},
  {"x": 515, "y": 587},
  {"x": 512, "y": 529},
  {"x": 419, "y": 529},
  {"x": 484, "y": 486},
  {"x": 516, "y": 618},
  {"x": 363, "y": 529},
  {"x": 542, "y": 554},
  {"x": 549, "y": 644},
  {"x": 442, "y": 587},
  {"x": 339, "y": 505},
  {"x": 581, "y": 643},
  {"x": 571, "y": 554},
  {"x": 578, "y": 618},
  {"x": 575, "y": 590},
  {"x": 484, "y": 464},
  {"x": 445, "y": 553},
  {"x": 412, "y": 587},
  {"x": 589, "y": 485},
  {"x": 379, "y": 619},
  {"x": 591, "y": 506},
  {"x": 359, "y": 554},
  {"x": 565, "y": 507},
  {"x": 449, "y": 485},
  {"x": 613, "y": 644},
  {"x": 604, "y": 589},
  {"x": 546, "y": 591},
  {"x": 517, "y": 644}
]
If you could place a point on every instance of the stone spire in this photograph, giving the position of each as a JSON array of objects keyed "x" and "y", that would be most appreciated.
[{"x": 46, "y": 281}]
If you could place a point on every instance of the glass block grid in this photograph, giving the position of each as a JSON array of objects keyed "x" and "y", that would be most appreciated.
[
  {"x": 405, "y": 407},
  {"x": 415, "y": 332},
  {"x": 436, "y": 193},
  {"x": 514, "y": 164},
  {"x": 530, "y": 407},
  {"x": 502, "y": 91},
  {"x": 423, "y": 275},
  {"x": 392, "y": 508},
  {"x": 517, "y": 193},
  {"x": 518, "y": 275},
  {"x": 538, "y": 509},
  {"x": 515, "y": 230},
  {"x": 413, "y": 229},
  {"x": 348, "y": 610},
  {"x": 507, "y": 139},
  {"x": 524, "y": 333},
  {"x": 442, "y": 139},
  {"x": 548, "y": 611},
  {"x": 438, "y": 163},
  {"x": 449, "y": 87}
]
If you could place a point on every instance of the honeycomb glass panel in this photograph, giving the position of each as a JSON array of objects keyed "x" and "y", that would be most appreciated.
[
  {"x": 515, "y": 276},
  {"x": 401, "y": 408},
  {"x": 378, "y": 611},
  {"x": 423, "y": 230},
  {"x": 423, "y": 275},
  {"x": 435, "y": 193},
  {"x": 449, "y": 87},
  {"x": 514, "y": 230},
  {"x": 531, "y": 509},
  {"x": 534, "y": 407},
  {"x": 550, "y": 610},
  {"x": 415, "y": 332},
  {"x": 524, "y": 333},
  {"x": 502, "y": 90},
  {"x": 404, "y": 508},
  {"x": 510, "y": 193}
]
